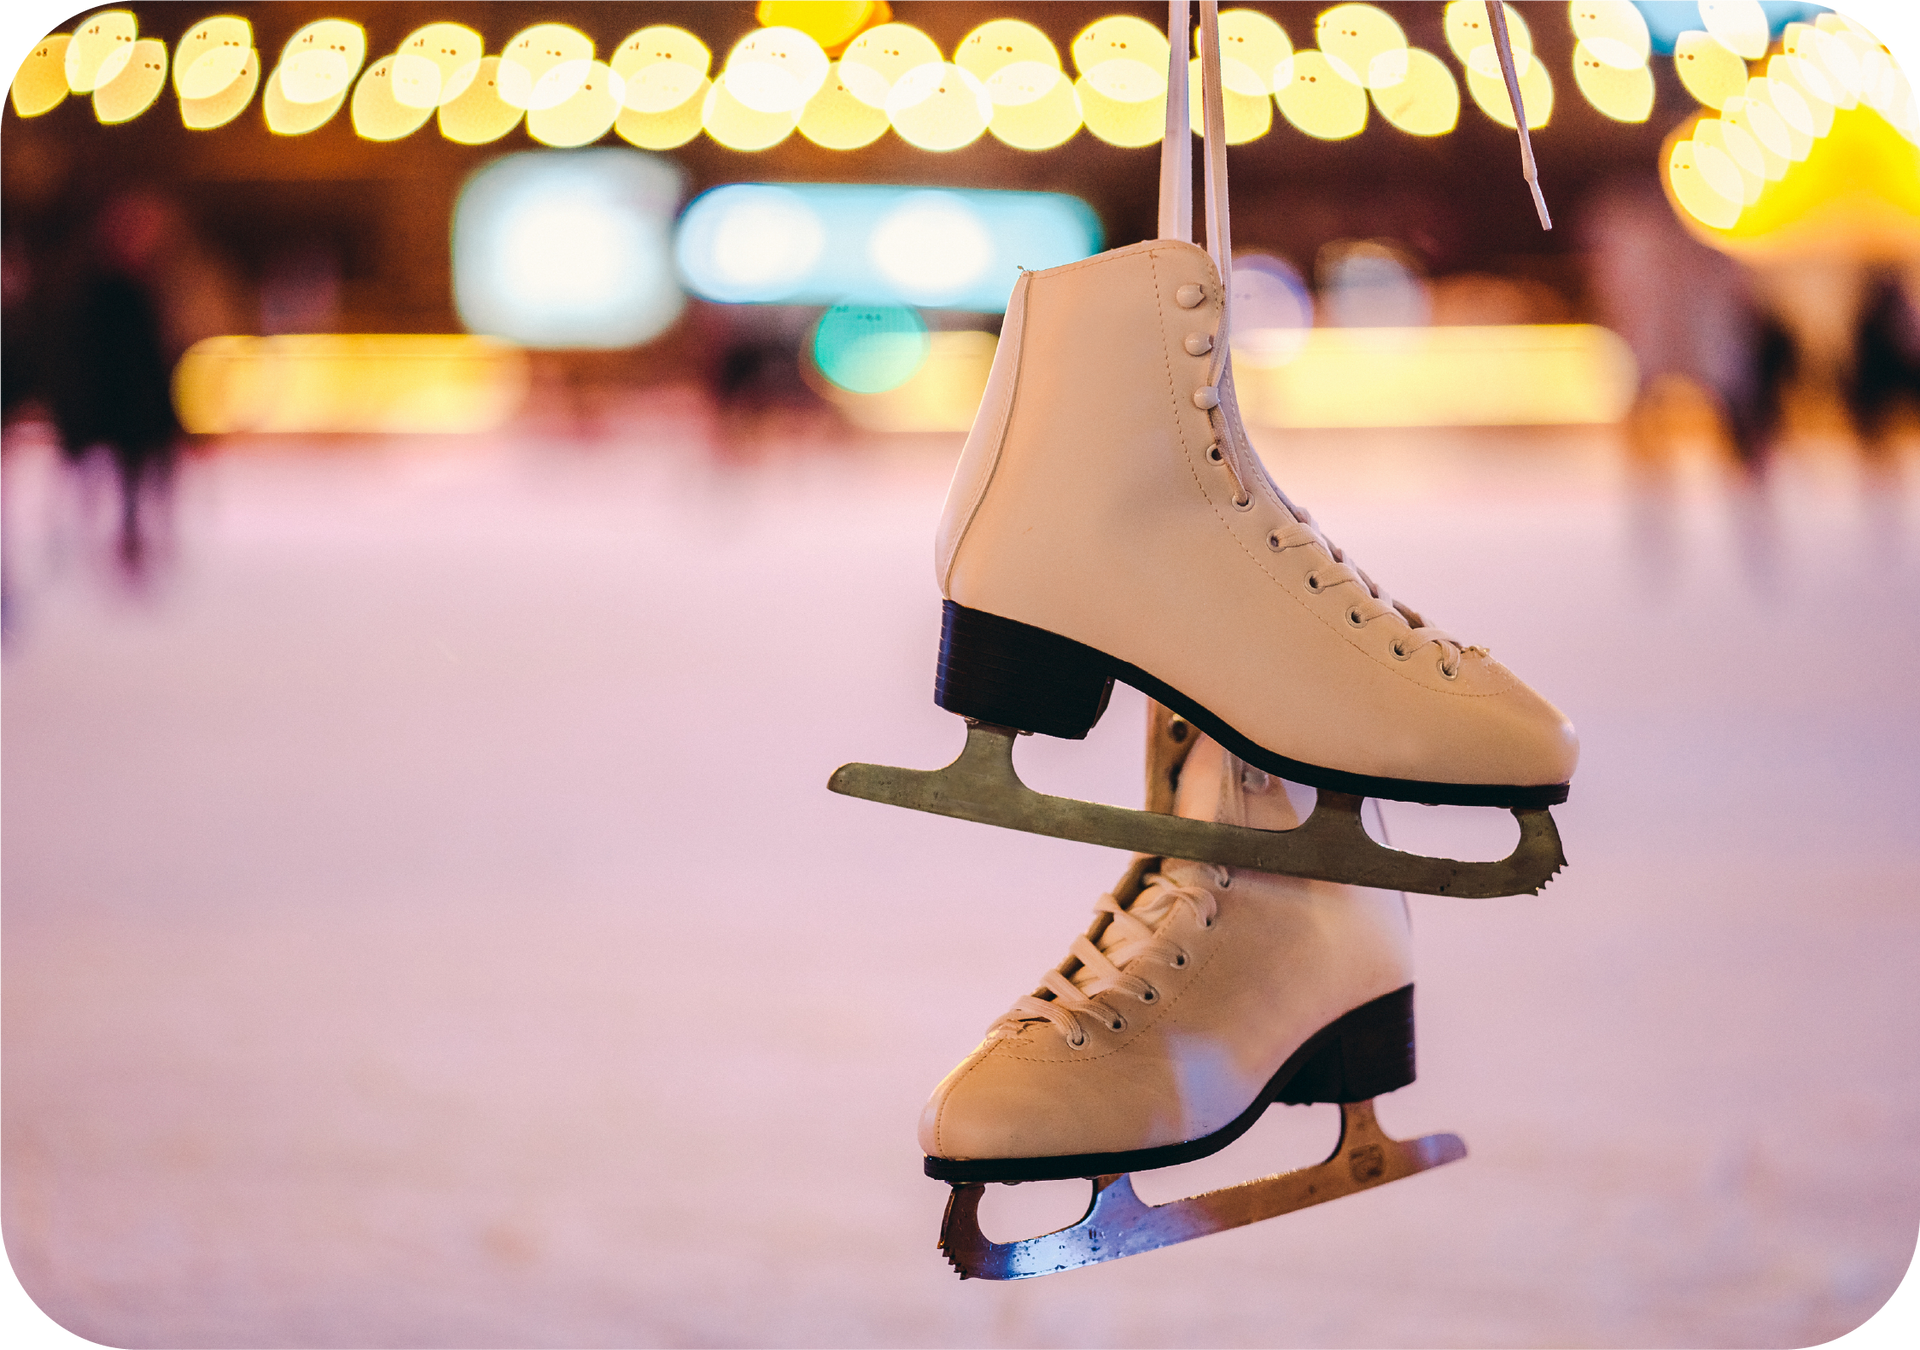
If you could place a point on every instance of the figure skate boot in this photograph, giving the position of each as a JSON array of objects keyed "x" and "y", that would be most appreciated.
[
  {"x": 1109, "y": 519},
  {"x": 1200, "y": 996}
]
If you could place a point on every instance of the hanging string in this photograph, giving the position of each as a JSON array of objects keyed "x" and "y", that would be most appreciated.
[{"x": 1497, "y": 15}]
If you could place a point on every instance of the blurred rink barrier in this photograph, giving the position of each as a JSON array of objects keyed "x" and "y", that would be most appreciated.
[{"x": 388, "y": 383}]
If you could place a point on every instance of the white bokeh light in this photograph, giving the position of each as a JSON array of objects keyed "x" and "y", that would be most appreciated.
[{"x": 932, "y": 247}]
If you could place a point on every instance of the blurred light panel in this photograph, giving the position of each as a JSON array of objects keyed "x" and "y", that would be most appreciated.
[
  {"x": 828, "y": 243},
  {"x": 568, "y": 249},
  {"x": 869, "y": 349},
  {"x": 382, "y": 383}
]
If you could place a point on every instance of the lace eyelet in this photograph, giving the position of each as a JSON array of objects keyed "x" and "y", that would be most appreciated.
[
  {"x": 1446, "y": 674},
  {"x": 1179, "y": 961},
  {"x": 1207, "y": 922},
  {"x": 1273, "y": 540},
  {"x": 1215, "y": 455},
  {"x": 1118, "y": 1024},
  {"x": 1078, "y": 1042},
  {"x": 1150, "y": 995},
  {"x": 1243, "y": 501},
  {"x": 1353, "y": 618},
  {"x": 1313, "y": 582},
  {"x": 1399, "y": 650}
]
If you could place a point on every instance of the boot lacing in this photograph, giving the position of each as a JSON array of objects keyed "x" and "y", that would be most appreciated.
[
  {"x": 1372, "y": 602},
  {"x": 1127, "y": 939}
]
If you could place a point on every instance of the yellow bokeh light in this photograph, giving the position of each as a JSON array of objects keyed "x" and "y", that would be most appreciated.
[
  {"x": 100, "y": 49},
  {"x": 1038, "y": 123},
  {"x": 211, "y": 56},
  {"x": 435, "y": 64},
  {"x": 479, "y": 116},
  {"x": 543, "y": 66},
  {"x": 738, "y": 127},
  {"x": 1364, "y": 44},
  {"x": 834, "y": 118},
  {"x": 1117, "y": 123},
  {"x": 1536, "y": 94},
  {"x": 1320, "y": 100},
  {"x": 1426, "y": 102},
  {"x": 1768, "y": 133},
  {"x": 1470, "y": 36},
  {"x": 994, "y": 46},
  {"x": 663, "y": 130},
  {"x": 1625, "y": 95},
  {"x": 378, "y": 115},
  {"x": 939, "y": 107},
  {"x": 664, "y": 67},
  {"x": 775, "y": 70},
  {"x": 1740, "y": 149},
  {"x": 288, "y": 118},
  {"x": 138, "y": 84},
  {"x": 830, "y": 23},
  {"x": 319, "y": 62},
  {"x": 586, "y": 116},
  {"x": 1703, "y": 183},
  {"x": 879, "y": 56},
  {"x": 204, "y": 114},
  {"x": 1740, "y": 26},
  {"x": 1614, "y": 32},
  {"x": 1794, "y": 109},
  {"x": 1123, "y": 58},
  {"x": 1248, "y": 117},
  {"x": 1824, "y": 63},
  {"x": 41, "y": 82},
  {"x": 1256, "y": 56},
  {"x": 1804, "y": 79},
  {"x": 1711, "y": 72}
]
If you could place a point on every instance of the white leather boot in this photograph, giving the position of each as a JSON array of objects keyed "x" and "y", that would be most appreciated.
[
  {"x": 1199, "y": 996},
  {"x": 1110, "y": 519}
]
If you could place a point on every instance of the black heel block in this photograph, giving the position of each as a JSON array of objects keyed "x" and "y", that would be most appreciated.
[
  {"x": 1364, "y": 1054},
  {"x": 1015, "y": 675}
]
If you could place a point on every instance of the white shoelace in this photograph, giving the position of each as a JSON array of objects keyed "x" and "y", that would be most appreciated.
[{"x": 1110, "y": 966}]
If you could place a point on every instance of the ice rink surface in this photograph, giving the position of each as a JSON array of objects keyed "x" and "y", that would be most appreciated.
[{"x": 426, "y": 924}]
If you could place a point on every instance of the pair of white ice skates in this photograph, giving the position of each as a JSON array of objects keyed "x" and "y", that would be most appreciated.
[{"x": 1109, "y": 519}]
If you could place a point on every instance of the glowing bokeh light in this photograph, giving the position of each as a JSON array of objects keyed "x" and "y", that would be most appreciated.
[
  {"x": 1000, "y": 43},
  {"x": 1624, "y": 94},
  {"x": 134, "y": 89},
  {"x": 1739, "y": 150},
  {"x": 869, "y": 349},
  {"x": 1320, "y": 100},
  {"x": 1614, "y": 31},
  {"x": 1470, "y": 36},
  {"x": 1247, "y": 116},
  {"x": 664, "y": 68},
  {"x": 40, "y": 84},
  {"x": 1704, "y": 182},
  {"x": 1272, "y": 310},
  {"x": 319, "y": 62},
  {"x": 480, "y": 116},
  {"x": 543, "y": 66},
  {"x": 738, "y": 127},
  {"x": 880, "y": 56},
  {"x": 824, "y": 243},
  {"x": 435, "y": 64},
  {"x": 99, "y": 49},
  {"x": 568, "y": 250},
  {"x": 211, "y": 56},
  {"x": 941, "y": 396},
  {"x": 663, "y": 130},
  {"x": 775, "y": 70},
  {"x": 1825, "y": 53},
  {"x": 1122, "y": 58},
  {"x": 1805, "y": 80},
  {"x": 1739, "y": 25},
  {"x": 367, "y": 383},
  {"x": 1124, "y": 124},
  {"x": 286, "y": 117},
  {"x": 1256, "y": 56},
  {"x": 834, "y": 118},
  {"x": 830, "y": 23},
  {"x": 1536, "y": 94},
  {"x": 1364, "y": 44},
  {"x": 1037, "y": 123},
  {"x": 1711, "y": 73},
  {"x": 378, "y": 115},
  {"x": 587, "y": 115},
  {"x": 1767, "y": 132},
  {"x": 939, "y": 107},
  {"x": 1426, "y": 102},
  {"x": 1795, "y": 112},
  {"x": 204, "y": 114}
]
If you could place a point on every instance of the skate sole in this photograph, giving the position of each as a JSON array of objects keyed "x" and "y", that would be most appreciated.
[
  {"x": 1012, "y": 674},
  {"x": 1356, "y": 1057}
]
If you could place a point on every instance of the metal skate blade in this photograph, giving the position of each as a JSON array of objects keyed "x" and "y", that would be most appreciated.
[
  {"x": 1117, "y": 1223},
  {"x": 1330, "y": 845}
]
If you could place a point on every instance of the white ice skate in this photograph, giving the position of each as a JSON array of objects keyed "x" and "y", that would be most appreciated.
[
  {"x": 1200, "y": 996},
  {"x": 1109, "y": 519}
]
